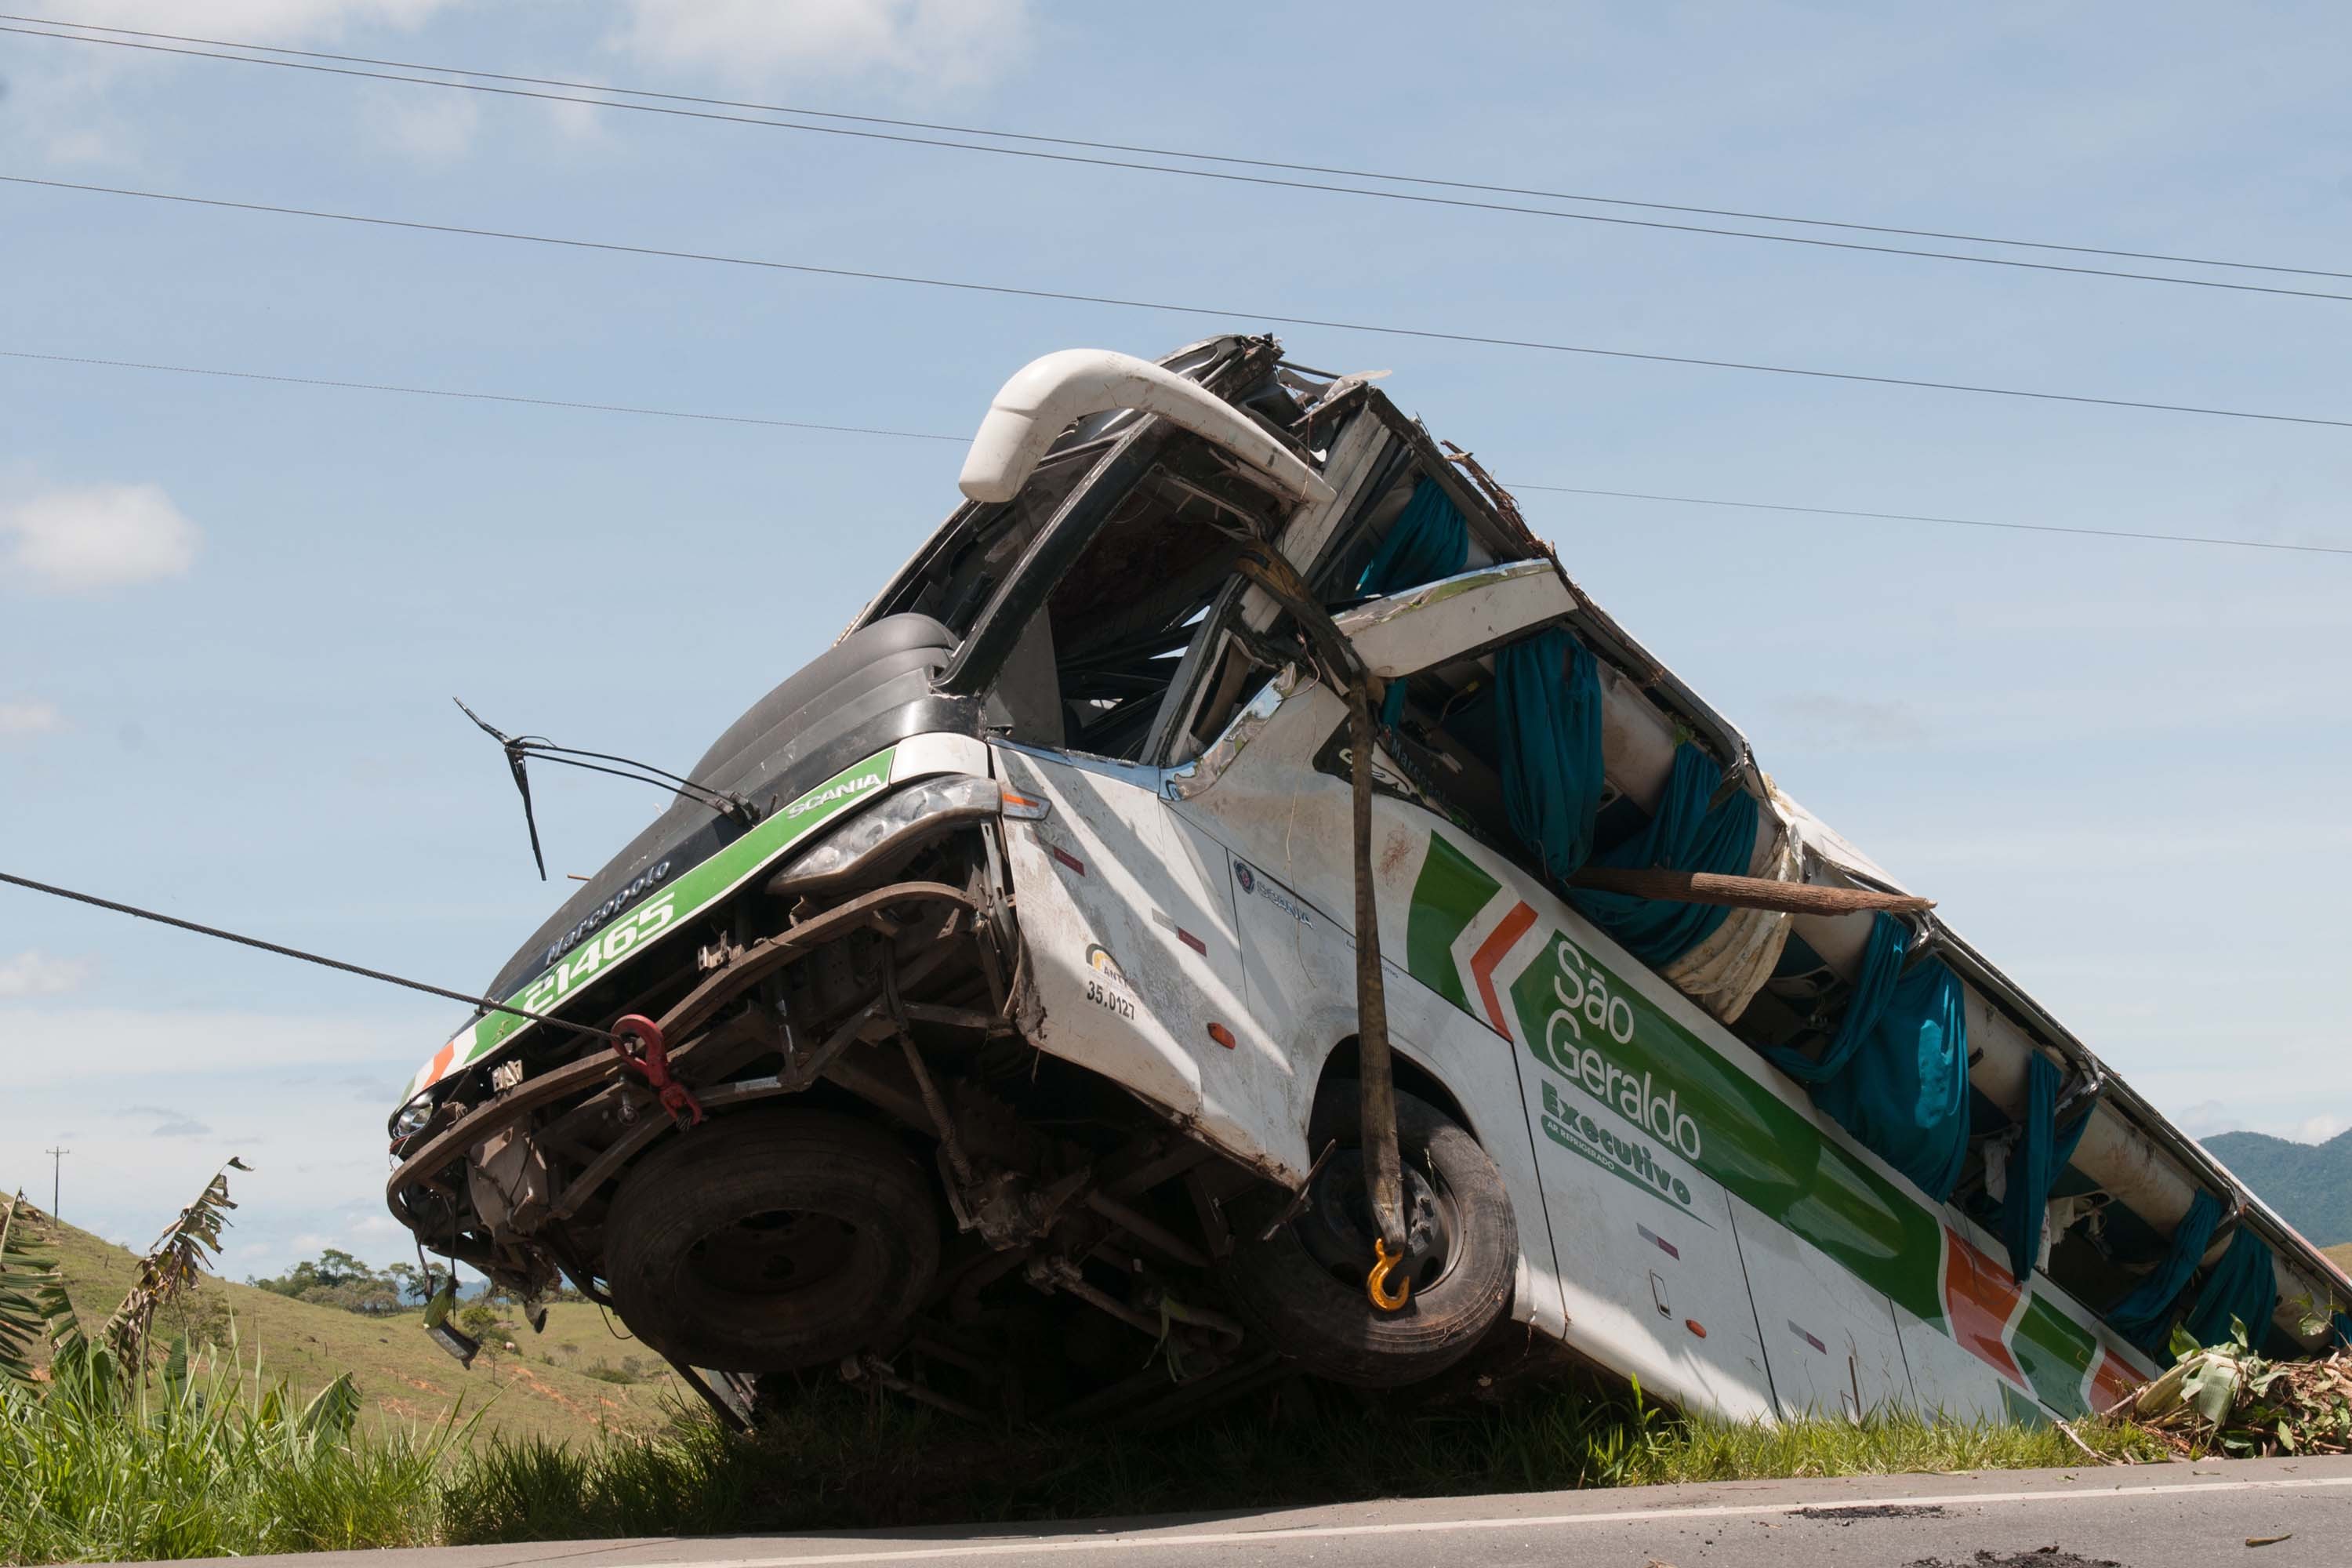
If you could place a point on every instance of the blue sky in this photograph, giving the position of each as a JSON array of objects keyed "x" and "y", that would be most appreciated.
[{"x": 232, "y": 615}]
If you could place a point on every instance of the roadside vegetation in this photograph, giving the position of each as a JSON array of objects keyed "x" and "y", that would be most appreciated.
[{"x": 133, "y": 1439}]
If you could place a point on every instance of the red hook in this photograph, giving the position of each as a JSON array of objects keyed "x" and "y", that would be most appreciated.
[{"x": 653, "y": 1066}]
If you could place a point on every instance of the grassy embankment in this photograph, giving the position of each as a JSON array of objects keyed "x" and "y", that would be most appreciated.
[
  {"x": 225, "y": 1469},
  {"x": 546, "y": 1388}
]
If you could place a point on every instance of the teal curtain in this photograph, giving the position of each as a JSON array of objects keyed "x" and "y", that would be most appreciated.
[
  {"x": 2242, "y": 1284},
  {"x": 1896, "y": 1073},
  {"x": 1548, "y": 730},
  {"x": 2144, "y": 1316},
  {"x": 1429, "y": 540},
  {"x": 1686, "y": 834},
  {"x": 2036, "y": 1163}
]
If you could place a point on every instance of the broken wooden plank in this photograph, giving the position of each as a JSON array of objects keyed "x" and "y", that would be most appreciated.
[{"x": 1745, "y": 892}]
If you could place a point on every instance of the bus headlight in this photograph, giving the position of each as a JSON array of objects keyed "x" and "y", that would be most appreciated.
[{"x": 891, "y": 828}]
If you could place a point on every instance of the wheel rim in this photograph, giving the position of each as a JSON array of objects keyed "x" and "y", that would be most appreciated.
[
  {"x": 785, "y": 1258},
  {"x": 1337, "y": 1228}
]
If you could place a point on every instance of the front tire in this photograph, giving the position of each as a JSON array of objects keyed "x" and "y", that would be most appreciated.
[
  {"x": 1304, "y": 1287},
  {"x": 770, "y": 1240}
]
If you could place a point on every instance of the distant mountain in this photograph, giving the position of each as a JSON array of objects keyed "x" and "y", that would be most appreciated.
[{"x": 2309, "y": 1184}]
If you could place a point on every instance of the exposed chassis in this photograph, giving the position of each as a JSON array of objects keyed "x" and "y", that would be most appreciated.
[{"x": 923, "y": 975}]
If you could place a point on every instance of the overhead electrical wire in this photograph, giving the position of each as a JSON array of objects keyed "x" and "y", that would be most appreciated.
[
  {"x": 1459, "y": 202},
  {"x": 1202, "y": 157},
  {"x": 573, "y": 404},
  {"x": 1952, "y": 522},
  {"x": 1427, "y": 334},
  {"x": 484, "y": 1003},
  {"x": 475, "y": 396}
]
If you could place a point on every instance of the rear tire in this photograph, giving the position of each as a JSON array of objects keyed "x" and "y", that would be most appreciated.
[
  {"x": 769, "y": 1240},
  {"x": 1315, "y": 1308}
]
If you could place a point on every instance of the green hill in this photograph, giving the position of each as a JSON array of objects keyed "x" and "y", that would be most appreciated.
[
  {"x": 2309, "y": 1184},
  {"x": 543, "y": 1388}
]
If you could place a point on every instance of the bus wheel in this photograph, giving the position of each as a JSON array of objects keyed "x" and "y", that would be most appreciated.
[
  {"x": 1303, "y": 1289},
  {"x": 771, "y": 1239}
]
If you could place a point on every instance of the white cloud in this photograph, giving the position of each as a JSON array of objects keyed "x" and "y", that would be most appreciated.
[
  {"x": 433, "y": 127},
  {"x": 2207, "y": 1118},
  {"x": 2315, "y": 1129},
  {"x": 17, "y": 719},
  {"x": 36, "y": 973},
  {"x": 100, "y": 536},
  {"x": 934, "y": 43},
  {"x": 60, "y": 101},
  {"x": 132, "y": 1094}
]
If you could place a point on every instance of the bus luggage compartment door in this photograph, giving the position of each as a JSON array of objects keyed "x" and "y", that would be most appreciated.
[
  {"x": 1829, "y": 1340},
  {"x": 1647, "y": 1258}
]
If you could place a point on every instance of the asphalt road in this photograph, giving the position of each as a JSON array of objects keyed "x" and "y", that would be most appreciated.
[{"x": 2172, "y": 1516}]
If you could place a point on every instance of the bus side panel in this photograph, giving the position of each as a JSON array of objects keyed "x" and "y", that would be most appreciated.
[
  {"x": 1831, "y": 1340},
  {"x": 1946, "y": 1378},
  {"x": 1119, "y": 992},
  {"x": 1301, "y": 964},
  {"x": 1483, "y": 1073},
  {"x": 1653, "y": 1284}
]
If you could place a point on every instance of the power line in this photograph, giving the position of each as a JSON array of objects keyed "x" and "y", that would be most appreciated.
[
  {"x": 928, "y": 436},
  {"x": 1202, "y": 157},
  {"x": 483, "y": 1003},
  {"x": 1004, "y": 291},
  {"x": 1189, "y": 174},
  {"x": 477, "y": 397},
  {"x": 1954, "y": 521}
]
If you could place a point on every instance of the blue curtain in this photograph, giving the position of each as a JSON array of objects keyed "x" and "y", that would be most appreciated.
[
  {"x": 1683, "y": 836},
  {"x": 2240, "y": 1286},
  {"x": 2344, "y": 1330},
  {"x": 1548, "y": 730},
  {"x": 2041, "y": 1153},
  {"x": 2144, "y": 1316},
  {"x": 1429, "y": 540},
  {"x": 1897, "y": 1074}
]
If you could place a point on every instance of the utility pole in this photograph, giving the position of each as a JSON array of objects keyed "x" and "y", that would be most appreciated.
[{"x": 56, "y": 1159}]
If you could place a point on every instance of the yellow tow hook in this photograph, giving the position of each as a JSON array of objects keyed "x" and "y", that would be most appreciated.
[{"x": 1376, "y": 1283}]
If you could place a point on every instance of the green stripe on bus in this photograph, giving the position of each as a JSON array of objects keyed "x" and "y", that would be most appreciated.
[
  {"x": 2057, "y": 1353},
  {"x": 1446, "y": 898},
  {"x": 1680, "y": 1106}
]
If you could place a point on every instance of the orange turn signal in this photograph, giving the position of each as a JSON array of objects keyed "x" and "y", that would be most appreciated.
[
  {"x": 1020, "y": 806},
  {"x": 1222, "y": 1034}
]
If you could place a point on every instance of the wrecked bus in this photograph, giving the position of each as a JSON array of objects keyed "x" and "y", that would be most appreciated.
[{"x": 1231, "y": 904}]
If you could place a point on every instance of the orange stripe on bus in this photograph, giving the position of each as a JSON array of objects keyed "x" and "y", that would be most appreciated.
[
  {"x": 1490, "y": 954},
  {"x": 1980, "y": 1298}
]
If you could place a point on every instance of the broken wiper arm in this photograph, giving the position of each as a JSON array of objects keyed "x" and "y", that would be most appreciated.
[{"x": 519, "y": 749}]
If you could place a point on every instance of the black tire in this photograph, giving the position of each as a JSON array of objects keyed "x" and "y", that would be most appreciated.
[
  {"x": 769, "y": 1240},
  {"x": 1315, "y": 1308}
]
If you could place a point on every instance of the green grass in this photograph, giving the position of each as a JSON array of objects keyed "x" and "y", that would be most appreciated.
[
  {"x": 220, "y": 1470},
  {"x": 201, "y": 1466},
  {"x": 838, "y": 1462},
  {"x": 226, "y": 1461},
  {"x": 546, "y": 1388}
]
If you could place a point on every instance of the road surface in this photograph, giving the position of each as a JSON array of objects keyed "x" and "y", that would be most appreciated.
[{"x": 2168, "y": 1516}]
